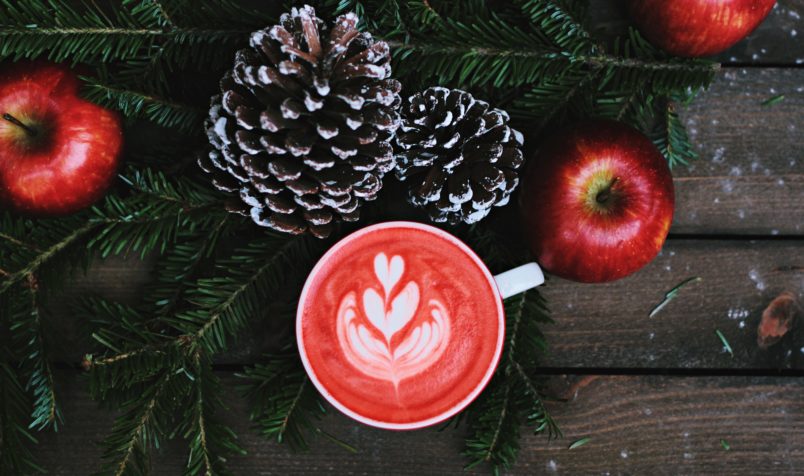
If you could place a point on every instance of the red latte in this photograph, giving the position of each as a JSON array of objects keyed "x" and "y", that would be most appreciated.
[{"x": 400, "y": 325}]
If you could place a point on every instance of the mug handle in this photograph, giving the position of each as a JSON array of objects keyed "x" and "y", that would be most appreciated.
[{"x": 519, "y": 279}]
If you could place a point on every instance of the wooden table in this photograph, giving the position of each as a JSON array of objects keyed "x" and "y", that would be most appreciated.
[{"x": 654, "y": 395}]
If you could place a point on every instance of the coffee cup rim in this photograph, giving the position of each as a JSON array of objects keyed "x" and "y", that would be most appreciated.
[{"x": 457, "y": 408}]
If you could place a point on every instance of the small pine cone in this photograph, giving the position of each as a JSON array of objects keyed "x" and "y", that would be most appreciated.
[
  {"x": 302, "y": 128},
  {"x": 460, "y": 157}
]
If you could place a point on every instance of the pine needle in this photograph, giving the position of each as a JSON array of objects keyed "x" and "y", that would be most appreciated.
[
  {"x": 670, "y": 295},
  {"x": 773, "y": 100},
  {"x": 346, "y": 446},
  {"x": 579, "y": 443},
  {"x": 725, "y": 342}
]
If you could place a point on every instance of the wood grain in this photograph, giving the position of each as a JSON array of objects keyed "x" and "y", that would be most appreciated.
[
  {"x": 607, "y": 325},
  {"x": 602, "y": 325},
  {"x": 637, "y": 425},
  {"x": 750, "y": 175}
]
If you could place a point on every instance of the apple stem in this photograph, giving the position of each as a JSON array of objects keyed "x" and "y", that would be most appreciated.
[
  {"x": 604, "y": 195},
  {"x": 30, "y": 130}
]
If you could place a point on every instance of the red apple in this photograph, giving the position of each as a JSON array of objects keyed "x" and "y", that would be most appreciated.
[
  {"x": 597, "y": 201},
  {"x": 695, "y": 28},
  {"x": 58, "y": 152}
]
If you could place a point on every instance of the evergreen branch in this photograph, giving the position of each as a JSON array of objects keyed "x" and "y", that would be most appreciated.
[
  {"x": 183, "y": 191},
  {"x": 539, "y": 413},
  {"x": 595, "y": 61},
  {"x": 45, "y": 256},
  {"x": 494, "y": 429},
  {"x": 560, "y": 21},
  {"x": 510, "y": 400},
  {"x": 202, "y": 436},
  {"x": 210, "y": 441},
  {"x": 283, "y": 404},
  {"x": 28, "y": 334},
  {"x": 90, "y": 362},
  {"x": 135, "y": 104},
  {"x": 213, "y": 14},
  {"x": 153, "y": 217},
  {"x": 136, "y": 441},
  {"x": 130, "y": 353},
  {"x": 550, "y": 97},
  {"x": 424, "y": 13},
  {"x": 490, "y": 452},
  {"x": 671, "y": 138},
  {"x": 147, "y": 417},
  {"x": 160, "y": 10},
  {"x": 628, "y": 103},
  {"x": 223, "y": 305},
  {"x": 15, "y": 456},
  {"x": 85, "y": 35},
  {"x": 17, "y": 242},
  {"x": 180, "y": 265}
]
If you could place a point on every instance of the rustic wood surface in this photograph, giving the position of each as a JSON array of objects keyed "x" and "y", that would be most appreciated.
[
  {"x": 750, "y": 179},
  {"x": 654, "y": 395},
  {"x": 636, "y": 425}
]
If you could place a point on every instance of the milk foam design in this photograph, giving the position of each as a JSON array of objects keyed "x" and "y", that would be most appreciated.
[{"x": 367, "y": 323}]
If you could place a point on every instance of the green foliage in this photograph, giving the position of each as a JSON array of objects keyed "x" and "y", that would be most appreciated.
[
  {"x": 164, "y": 384},
  {"x": 284, "y": 403},
  {"x": 27, "y": 331},
  {"x": 153, "y": 214},
  {"x": 135, "y": 104},
  {"x": 15, "y": 457},
  {"x": 158, "y": 62},
  {"x": 223, "y": 305},
  {"x": 144, "y": 421},
  {"x": 671, "y": 136},
  {"x": 513, "y": 396},
  {"x": 60, "y": 30},
  {"x": 210, "y": 440}
]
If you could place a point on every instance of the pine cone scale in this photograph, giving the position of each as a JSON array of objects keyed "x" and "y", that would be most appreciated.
[
  {"x": 302, "y": 127},
  {"x": 460, "y": 157}
]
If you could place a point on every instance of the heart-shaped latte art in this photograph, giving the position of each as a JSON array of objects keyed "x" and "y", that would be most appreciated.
[{"x": 389, "y": 313}]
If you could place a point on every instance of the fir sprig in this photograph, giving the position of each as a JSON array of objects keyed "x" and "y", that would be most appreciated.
[
  {"x": 224, "y": 304},
  {"x": 284, "y": 403},
  {"x": 61, "y": 30},
  {"x": 210, "y": 441},
  {"x": 28, "y": 332},
  {"x": 137, "y": 104},
  {"x": 15, "y": 457},
  {"x": 513, "y": 397}
]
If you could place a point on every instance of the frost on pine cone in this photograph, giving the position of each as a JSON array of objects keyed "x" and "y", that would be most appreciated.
[
  {"x": 459, "y": 156},
  {"x": 303, "y": 124}
]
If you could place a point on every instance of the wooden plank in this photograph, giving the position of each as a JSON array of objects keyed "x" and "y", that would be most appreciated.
[
  {"x": 673, "y": 425},
  {"x": 607, "y": 325},
  {"x": 750, "y": 175},
  {"x": 603, "y": 325},
  {"x": 637, "y": 425}
]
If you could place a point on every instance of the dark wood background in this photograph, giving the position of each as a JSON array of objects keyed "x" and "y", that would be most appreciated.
[{"x": 653, "y": 394}]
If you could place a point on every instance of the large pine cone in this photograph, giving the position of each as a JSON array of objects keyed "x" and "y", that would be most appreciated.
[
  {"x": 303, "y": 126},
  {"x": 460, "y": 157}
]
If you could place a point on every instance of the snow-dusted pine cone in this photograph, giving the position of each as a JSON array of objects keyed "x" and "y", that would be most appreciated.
[
  {"x": 459, "y": 156},
  {"x": 303, "y": 124}
]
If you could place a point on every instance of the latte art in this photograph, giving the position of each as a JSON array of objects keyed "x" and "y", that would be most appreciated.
[
  {"x": 392, "y": 336},
  {"x": 400, "y": 325}
]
